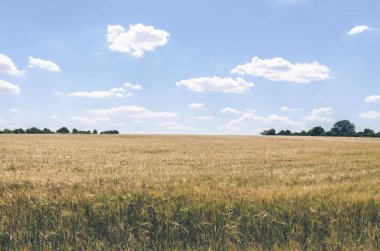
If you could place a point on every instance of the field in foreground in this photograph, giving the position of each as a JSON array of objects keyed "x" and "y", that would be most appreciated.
[{"x": 189, "y": 192}]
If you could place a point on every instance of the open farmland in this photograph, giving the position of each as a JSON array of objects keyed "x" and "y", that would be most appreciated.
[{"x": 189, "y": 192}]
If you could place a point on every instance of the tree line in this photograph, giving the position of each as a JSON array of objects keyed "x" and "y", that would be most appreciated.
[
  {"x": 343, "y": 128},
  {"x": 62, "y": 130}
]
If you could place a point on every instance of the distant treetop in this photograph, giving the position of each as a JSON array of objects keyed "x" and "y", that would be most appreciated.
[
  {"x": 62, "y": 130},
  {"x": 343, "y": 128}
]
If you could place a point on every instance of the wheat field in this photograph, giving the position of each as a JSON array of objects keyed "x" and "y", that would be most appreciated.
[{"x": 189, "y": 192}]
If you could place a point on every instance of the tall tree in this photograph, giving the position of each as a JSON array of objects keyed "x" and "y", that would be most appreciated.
[{"x": 343, "y": 128}]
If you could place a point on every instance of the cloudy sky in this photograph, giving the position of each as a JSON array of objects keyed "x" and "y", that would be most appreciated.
[{"x": 201, "y": 66}]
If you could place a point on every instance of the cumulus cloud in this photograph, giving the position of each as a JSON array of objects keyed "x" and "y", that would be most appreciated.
[
  {"x": 279, "y": 69},
  {"x": 133, "y": 111},
  {"x": 8, "y": 67},
  {"x": 132, "y": 86},
  {"x": 216, "y": 84},
  {"x": 203, "y": 118},
  {"x": 226, "y": 110},
  {"x": 8, "y": 88},
  {"x": 90, "y": 120},
  {"x": 112, "y": 93},
  {"x": 14, "y": 110},
  {"x": 373, "y": 99},
  {"x": 238, "y": 123},
  {"x": 359, "y": 29},
  {"x": 43, "y": 64},
  {"x": 287, "y": 109},
  {"x": 138, "y": 122},
  {"x": 194, "y": 106},
  {"x": 323, "y": 115},
  {"x": 137, "y": 40},
  {"x": 370, "y": 115},
  {"x": 120, "y": 92},
  {"x": 273, "y": 120},
  {"x": 174, "y": 126}
]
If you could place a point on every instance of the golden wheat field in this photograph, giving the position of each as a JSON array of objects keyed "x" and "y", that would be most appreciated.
[{"x": 189, "y": 192}]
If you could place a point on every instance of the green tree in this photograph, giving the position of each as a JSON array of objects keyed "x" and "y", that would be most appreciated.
[
  {"x": 316, "y": 131},
  {"x": 343, "y": 128},
  {"x": 303, "y": 133},
  {"x": 369, "y": 132},
  {"x": 7, "y": 131},
  {"x": 287, "y": 132},
  {"x": 33, "y": 130},
  {"x": 18, "y": 131},
  {"x": 63, "y": 130},
  {"x": 269, "y": 132},
  {"x": 47, "y": 131},
  {"x": 110, "y": 132},
  {"x": 284, "y": 132}
]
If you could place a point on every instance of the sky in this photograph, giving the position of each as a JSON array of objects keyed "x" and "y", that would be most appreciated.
[{"x": 189, "y": 67}]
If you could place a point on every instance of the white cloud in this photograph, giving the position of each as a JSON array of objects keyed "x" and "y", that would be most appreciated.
[
  {"x": 370, "y": 115},
  {"x": 196, "y": 106},
  {"x": 203, "y": 118},
  {"x": 43, "y": 64},
  {"x": 250, "y": 110},
  {"x": 14, "y": 110},
  {"x": 8, "y": 88},
  {"x": 112, "y": 93},
  {"x": 138, "y": 122},
  {"x": 372, "y": 98},
  {"x": 132, "y": 86},
  {"x": 273, "y": 119},
  {"x": 137, "y": 40},
  {"x": 90, "y": 120},
  {"x": 359, "y": 29},
  {"x": 278, "y": 69},
  {"x": 238, "y": 123},
  {"x": 216, "y": 84},
  {"x": 226, "y": 110},
  {"x": 323, "y": 115},
  {"x": 287, "y": 109},
  {"x": 7, "y": 66},
  {"x": 175, "y": 126},
  {"x": 134, "y": 111}
]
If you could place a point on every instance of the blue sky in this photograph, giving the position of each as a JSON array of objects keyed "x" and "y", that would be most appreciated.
[{"x": 203, "y": 67}]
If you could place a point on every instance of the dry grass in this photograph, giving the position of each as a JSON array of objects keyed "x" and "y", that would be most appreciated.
[
  {"x": 201, "y": 169},
  {"x": 248, "y": 168}
]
